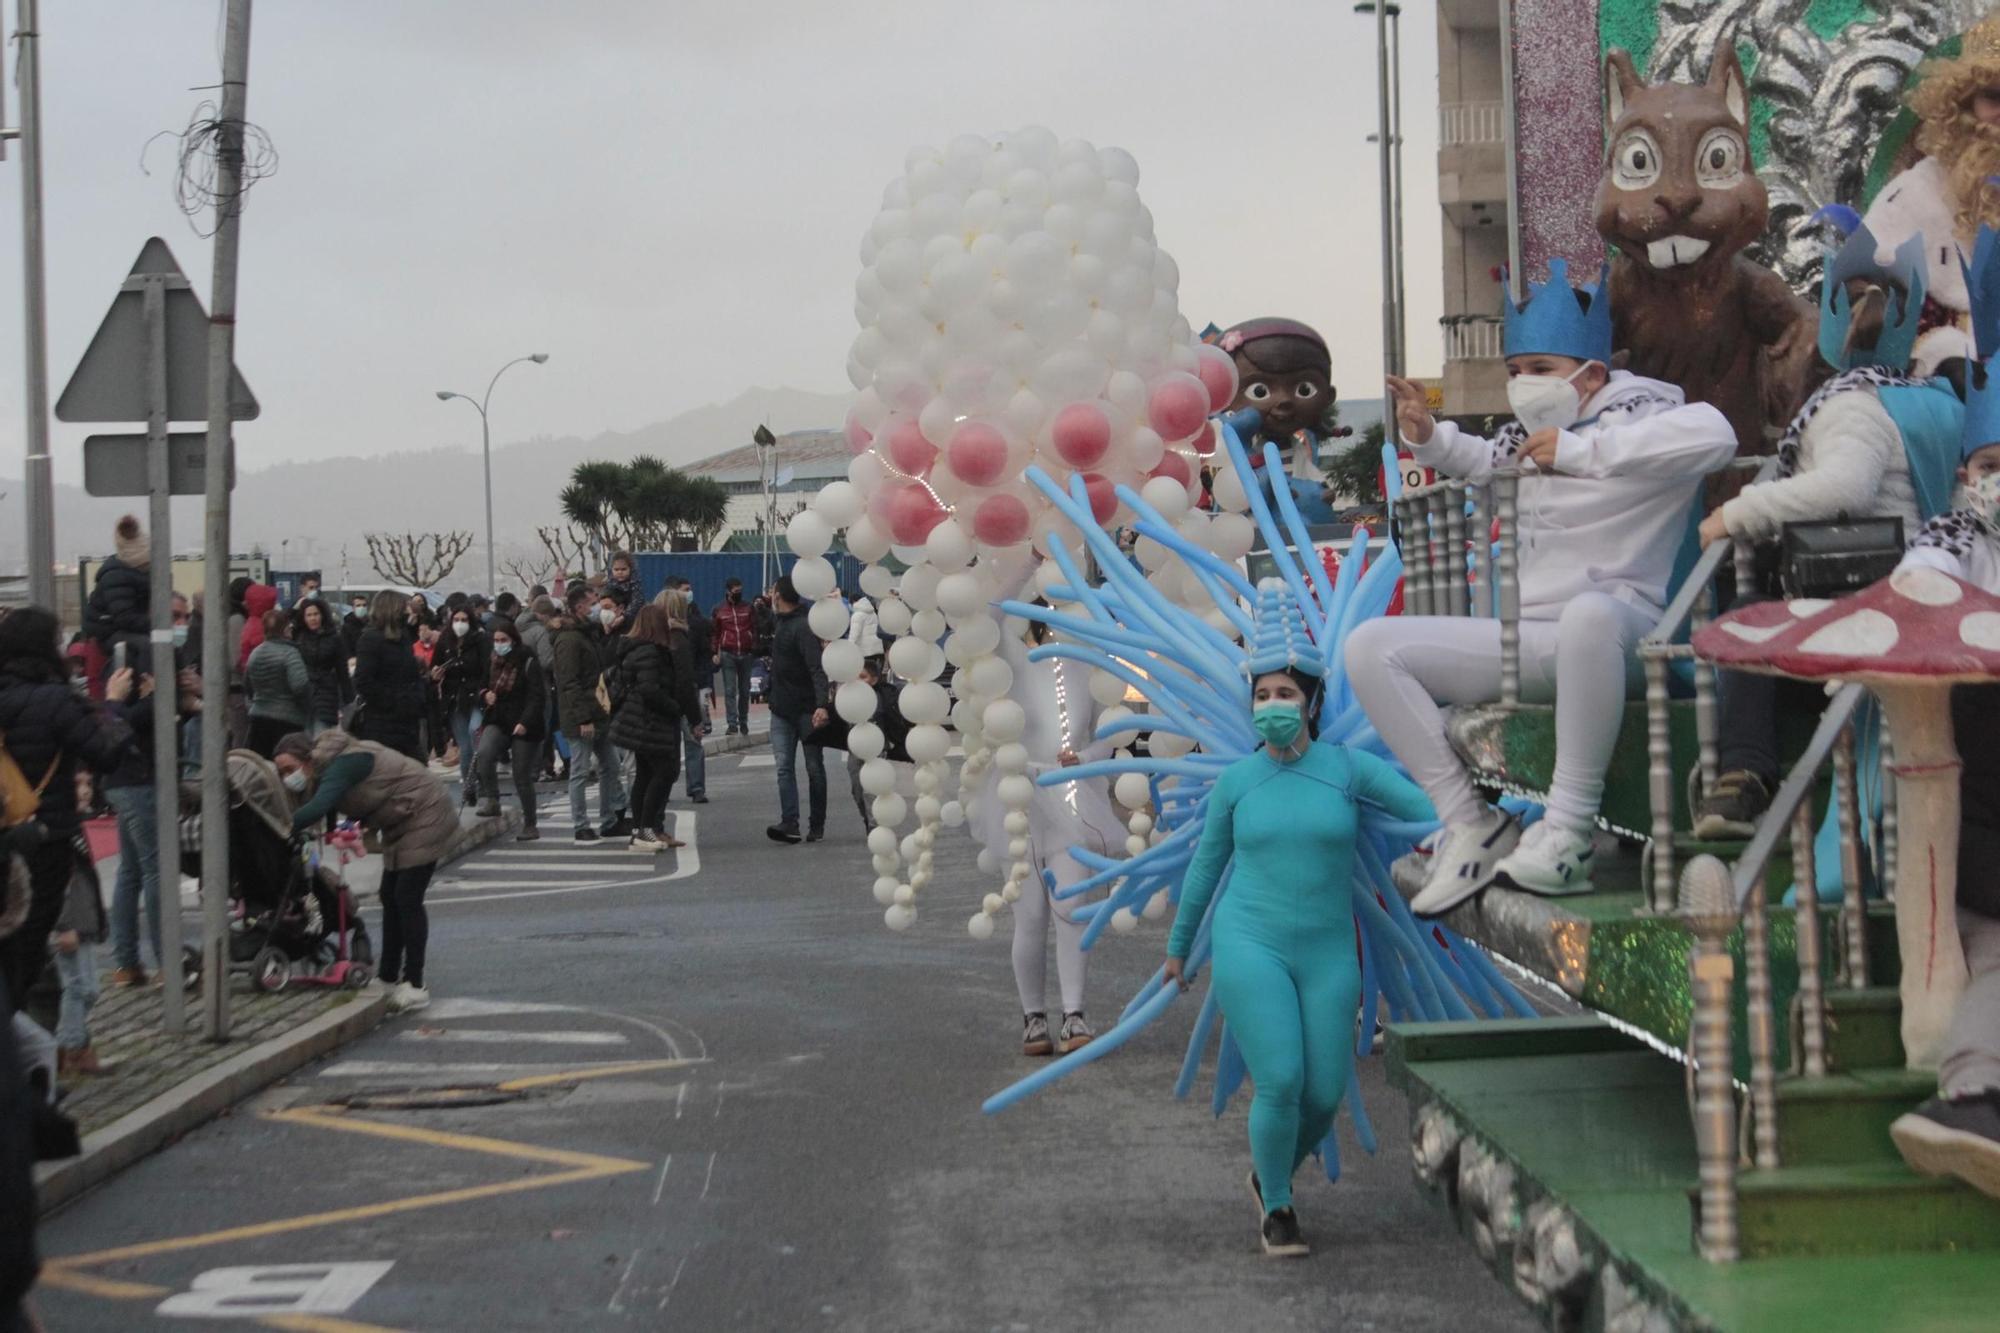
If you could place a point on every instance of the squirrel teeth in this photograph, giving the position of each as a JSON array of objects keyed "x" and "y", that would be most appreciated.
[{"x": 1675, "y": 251}]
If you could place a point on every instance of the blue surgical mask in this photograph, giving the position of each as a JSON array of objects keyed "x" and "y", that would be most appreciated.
[
  {"x": 1279, "y": 724},
  {"x": 180, "y": 636},
  {"x": 502, "y": 648}
]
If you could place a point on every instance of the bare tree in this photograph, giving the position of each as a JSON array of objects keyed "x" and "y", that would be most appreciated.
[
  {"x": 567, "y": 548},
  {"x": 526, "y": 567},
  {"x": 417, "y": 560}
]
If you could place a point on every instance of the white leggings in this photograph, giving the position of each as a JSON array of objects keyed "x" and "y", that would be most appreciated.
[
  {"x": 1031, "y": 933},
  {"x": 1403, "y": 668}
]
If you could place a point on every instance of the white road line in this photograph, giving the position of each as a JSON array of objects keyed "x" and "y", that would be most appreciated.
[
  {"x": 680, "y": 1100},
  {"x": 617, "y": 1305},
  {"x": 687, "y": 862},
  {"x": 467, "y": 1007},
  {"x": 431, "y": 1071},
  {"x": 662, "y": 1185},
  {"x": 488, "y": 1036},
  {"x": 524, "y": 864},
  {"x": 710, "y": 1177},
  {"x": 759, "y": 761}
]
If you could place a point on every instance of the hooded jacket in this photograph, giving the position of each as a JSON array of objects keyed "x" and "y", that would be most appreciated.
[
  {"x": 653, "y": 697},
  {"x": 120, "y": 606},
  {"x": 325, "y": 654},
  {"x": 798, "y": 685},
  {"x": 390, "y": 689},
  {"x": 579, "y": 665},
  {"x": 257, "y": 599},
  {"x": 49, "y": 731}
]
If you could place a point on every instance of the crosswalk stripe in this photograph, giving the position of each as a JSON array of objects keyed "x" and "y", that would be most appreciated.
[
  {"x": 759, "y": 761},
  {"x": 518, "y": 867},
  {"x": 469, "y": 1007},
  {"x": 489, "y": 1037},
  {"x": 432, "y": 1072}
]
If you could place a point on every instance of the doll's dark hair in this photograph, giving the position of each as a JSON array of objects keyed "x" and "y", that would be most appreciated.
[{"x": 1280, "y": 346}]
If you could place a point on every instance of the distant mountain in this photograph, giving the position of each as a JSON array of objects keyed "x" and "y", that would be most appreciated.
[{"x": 302, "y": 513}]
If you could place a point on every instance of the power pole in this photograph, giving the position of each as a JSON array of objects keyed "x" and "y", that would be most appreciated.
[
  {"x": 38, "y": 482},
  {"x": 215, "y": 582}
]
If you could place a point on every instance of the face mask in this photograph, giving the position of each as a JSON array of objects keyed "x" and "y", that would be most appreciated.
[
  {"x": 1280, "y": 724},
  {"x": 79, "y": 687},
  {"x": 360, "y": 612},
  {"x": 607, "y": 617},
  {"x": 309, "y": 595},
  {"x": 295, "y": 781},
  {"x": 180, "y": 636},
  {"x": 502, "y": 648},
  {"x": 736, "y": 595},
  {"x": 1544, "y": 401},
  {"x": 461, "y": 628},
  {"x": 1983, "y": 494}
]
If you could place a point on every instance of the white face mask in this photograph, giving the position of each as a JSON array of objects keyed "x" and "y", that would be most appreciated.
[
  {"x": 1541, "y": 402},
  {"x": 607, "y": 617},
  {"x": 295, "y": 781},
  {"x": 1983, "y": 494},
  {"x": 461, "y": 628}
]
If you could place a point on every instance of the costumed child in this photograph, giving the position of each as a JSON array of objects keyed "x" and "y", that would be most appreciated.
[
  {"x": 1284, "y": 389},
  {"x": 1958, "y": 1131},
  {"x": 1611, "y": 465},
  {"x": 1873, "y": 441},
  {"x": 1062, "y": 719},
  {"x": 1287, "y": 977}
]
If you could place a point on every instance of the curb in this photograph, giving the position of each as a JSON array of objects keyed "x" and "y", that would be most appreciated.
[
  {"x": 725, "y": 744},
  {"x": 141, "y": 1132},
  {"x": 480, "y": 833}
]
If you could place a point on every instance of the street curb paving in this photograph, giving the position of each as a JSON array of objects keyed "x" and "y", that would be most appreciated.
[
  {"x": 480, "y": 833},
  {"x": 146, "y": 1129},
  {"x": 726, "y": 744}
]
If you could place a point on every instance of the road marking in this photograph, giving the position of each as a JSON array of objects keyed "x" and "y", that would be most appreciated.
[
  {"x": 759, "y": 761},
  {"x": 710, "y": 1177},
  {"x": 495, "y": 866},
  {"x": 617, "y": 1305},
  {"x": 602, "y": 1071},
  {"x": 675, "y": 1281},
  {"x": 467, "y": 1007},
  {"x": 687, "y": 862},
  {"x": 660, "y": 1188},
  {"x": 680, "y": 1100},
  {"x": 430, "y": 1070},
  {"x": 501, "y": 1038}
]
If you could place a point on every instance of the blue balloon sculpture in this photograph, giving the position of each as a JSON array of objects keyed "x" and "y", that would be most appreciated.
[{"x": 1420, "y": 969}]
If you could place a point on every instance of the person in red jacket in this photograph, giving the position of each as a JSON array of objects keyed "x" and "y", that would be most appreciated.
[{"x": 735, "y": 640}]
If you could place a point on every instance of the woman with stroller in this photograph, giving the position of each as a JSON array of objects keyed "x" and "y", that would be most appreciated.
[
  {"x": 388, "y": 686},
  {"x": 458, "y": 672},
  {"x": 516, "y": 724},
  {"x": 409, "y": 819},
  {"x": 325, "y": 654},
  {"x": 653, "y": 697},
  {"x": 279, "y": 686}
]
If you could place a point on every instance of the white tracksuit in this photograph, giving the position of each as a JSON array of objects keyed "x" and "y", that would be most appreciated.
[{"x": 1597, "y": 547}]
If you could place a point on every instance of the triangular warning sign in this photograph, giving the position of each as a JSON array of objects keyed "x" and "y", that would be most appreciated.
[{"x": 109, "y": 384}]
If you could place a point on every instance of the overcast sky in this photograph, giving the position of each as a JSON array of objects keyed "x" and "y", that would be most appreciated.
[{"x": 667, "y": 196}]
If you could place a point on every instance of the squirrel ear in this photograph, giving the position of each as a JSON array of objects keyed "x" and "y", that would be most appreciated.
[
  {"x": 1725, "y": 76},
  {"x": 1621, "y": 81}
]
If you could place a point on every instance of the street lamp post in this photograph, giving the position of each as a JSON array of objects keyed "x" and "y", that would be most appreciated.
[
  {"x": 1389, "y": 145},
  {"x": 486, "y": 452}
]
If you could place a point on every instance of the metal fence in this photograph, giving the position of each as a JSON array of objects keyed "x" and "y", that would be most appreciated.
[{"x": 1464, "y": 123}]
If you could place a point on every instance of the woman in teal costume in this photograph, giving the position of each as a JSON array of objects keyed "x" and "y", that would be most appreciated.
[{"x": 1287, "y": 974}]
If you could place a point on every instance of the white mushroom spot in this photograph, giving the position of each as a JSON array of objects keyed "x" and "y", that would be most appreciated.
[
  {"x": 1866, "y": 632},
  {"x": 1807, "y": 606},
  {"x": 1981, "y": 629},
  {"x": 1753, "y": 633},
  {"x": 1931, "y": 587}
]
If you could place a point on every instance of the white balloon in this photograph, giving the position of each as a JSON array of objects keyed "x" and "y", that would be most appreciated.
[
  {"x": 1169, "y": 745},
  {"x": 890, "y": 810},
  {"x": 948, "y": 546},
  {"x": 906, "y": 894},
  {"x": 918, "y": 587},
  {"x": 855, "y": 702},
  {"x": 1016, "y": 790},
  {"x": 885, "y": 890},
  {"x": 928, "y": 743},
  {"x": 809, "y": 533},
  {"x": 865, "y": 741},
  {"x": 828, "y": 618},
  {"x": 1004, "y": 720},
  {"x": 1106, "y": 688},
  {"x": 838, "y": 503},
  {"x": 961, "y": 595},
  {"x": 988, "y": 863},
  {"x": 1231, "y": 536},
  {"x": 1156, "y": 907},
  {"x": 924, "y": 701},
  {"x": 1166, "y": 495},
  {"x": 867, "y": 543},
  {"x": 909, "y": 656},
  {"x": 992, "y": 677},
  {"x": 1011, "y": 757},
  {"x": 1016, "y": 823},
  {"x": 910, "y": 847},
  {"x": 927, "y": 808},
  {"x": 1132, "y": 790},
  {"x": 813, "y": 577},
  {"x": 1123, "y": 921},
  {"x": 951, "y": 814},
  {"x": 840, "y": 659},
  {"x": 900, "y": 917},
  {"x": 877, "y": 582},
  {"x": 974, "y": 639},
  {"x": 1140, "y": 823},
  {"x": 865, "y": 472},
  {"x": 1227, "y": 490},
  {"x": 893, "y": 615},
  {"x": 1110, "y": 717},
  {"x": 878, "y": 777},
  {"x": 929, "y": 625},
  {"x": 980, "y": 927}
]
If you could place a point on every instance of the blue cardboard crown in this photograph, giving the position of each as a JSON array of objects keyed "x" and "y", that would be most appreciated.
[
  {"x": 1558, "y": 320},
  {"x": 1982, "y": 394},
  {"x": 1857, "y": 259},
  {"x": 1279, "y": 640}
]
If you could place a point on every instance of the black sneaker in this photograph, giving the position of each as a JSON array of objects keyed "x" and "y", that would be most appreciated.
[
  {"x": 1035, "y": 1039},
  {"x": 1955, "y": 1136},
  {"x": 528, "y": 833},
  {"x": 1732, "y": 809},
  {"x": 699, "y": 798},
  {"x": 1282, "y": 1237},
  {"x": 1075, "y": 1033},
  {"x": 782, "y": 833},
  {"x": 620, "y": 827},
  {"x": 585, "y": 833},
  {"x": 815, "y": 835},
  {"x": 1257, "y": 1193}
]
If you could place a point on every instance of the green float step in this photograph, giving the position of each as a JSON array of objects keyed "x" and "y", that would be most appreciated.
[
  {"x": 1844, "y": 1118},
  {"x": 1864, "y": 1029},
  {"x": 1860, "y": 1208}
]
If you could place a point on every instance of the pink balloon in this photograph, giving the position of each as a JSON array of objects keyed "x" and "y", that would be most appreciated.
[
  {"x": 858, "y": 438},
  {"x": 1208, "y": 440},
  {"x": 1175, "y": 465},
  {"x": 1217, "y": 372},
  {"x": 904, "y": 445},
  {"x": 977, "y": 453},
  {"x": 1001, "y": 520},
  {"x": 1178, "y": 406},
  {"x": 1103, "y": 493},
  {"x": 1081, "y": 434},
  {"x": 908, "y": 510}
]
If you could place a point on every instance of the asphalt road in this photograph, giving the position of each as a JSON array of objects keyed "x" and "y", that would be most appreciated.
[{"x": 716, "y": 1093}]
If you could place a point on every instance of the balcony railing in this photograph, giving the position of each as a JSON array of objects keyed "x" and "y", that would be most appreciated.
[
  {"x": 1463, "y": 123},
  {"x": 1471, "y": 337}
]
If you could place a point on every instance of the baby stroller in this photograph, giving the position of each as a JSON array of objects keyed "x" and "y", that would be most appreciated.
[{"x": 293, "y": 919}]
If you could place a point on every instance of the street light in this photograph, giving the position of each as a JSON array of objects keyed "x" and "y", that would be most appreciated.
[
  {"x": 1389, "y": 141},
  {"x": 486, "y": 451}
]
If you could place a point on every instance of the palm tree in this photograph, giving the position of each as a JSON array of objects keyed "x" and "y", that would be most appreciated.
[{"x": 591, "y": 500}]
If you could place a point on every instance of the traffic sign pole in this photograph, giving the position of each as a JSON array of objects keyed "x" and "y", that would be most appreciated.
[
  {"x": 38, "y": 481},
  {"x": 166, "y": 675}
]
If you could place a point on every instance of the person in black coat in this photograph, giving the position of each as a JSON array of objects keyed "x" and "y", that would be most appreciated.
[
  {"x": 515, "y": 700},
  {"x": 799, "y": 696},
  {"x": 49, "y": 730},
  {"x": 387, "y": 684},
  {"x": 458, "y": 673},
  {"x": 121, "y": 602},
  {"x": 654, "y": 696},
  {"x": 353, "y": 623},
  {"x": 319, "y": 643}
]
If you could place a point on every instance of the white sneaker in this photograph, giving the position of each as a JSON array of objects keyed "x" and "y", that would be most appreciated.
[
  {"x": 1464, "y": 861},
  {"x": 1551, "y": 861},
  {"x": 407, "y": 997}
]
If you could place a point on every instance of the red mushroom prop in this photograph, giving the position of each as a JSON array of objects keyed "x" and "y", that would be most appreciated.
[{"x": 1909, "y": 639}]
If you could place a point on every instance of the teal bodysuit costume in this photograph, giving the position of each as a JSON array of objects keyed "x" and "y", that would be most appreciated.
[{"x": 1286, "y": 972}]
